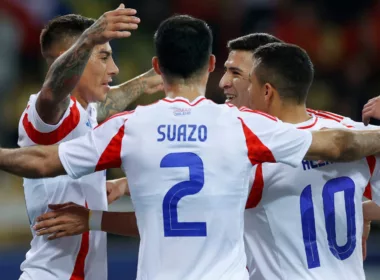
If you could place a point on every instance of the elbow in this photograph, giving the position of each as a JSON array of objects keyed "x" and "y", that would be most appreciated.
[{"x": 345, "y": 148}]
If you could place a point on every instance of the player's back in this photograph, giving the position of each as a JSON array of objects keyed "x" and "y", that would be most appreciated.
[
  {"x": 306, "y": 222},
  {"x": 188, "y": 167},
  {"x": 72, "y": 256},
  {"x": 188, "y": 183}
]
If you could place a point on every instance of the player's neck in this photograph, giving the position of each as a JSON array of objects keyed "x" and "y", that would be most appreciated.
[
  {"x": 293, "y": 113},
  {"x": 188, "y": 91},
  {"x": 83, "y": 102}
]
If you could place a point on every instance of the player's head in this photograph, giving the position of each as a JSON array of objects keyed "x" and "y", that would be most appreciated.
[
  {"x": 238, "y": 65},
  {"x": 183, "y": 50},
  {"x": 281, "y": 74},
  {"x": 60, "y": 34}
]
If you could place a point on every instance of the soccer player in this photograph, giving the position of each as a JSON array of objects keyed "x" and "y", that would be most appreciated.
[
  {"x": 63, "y": 110},
  {"x": 235, "y": 83},
  {"x": 187, "y": 184}
]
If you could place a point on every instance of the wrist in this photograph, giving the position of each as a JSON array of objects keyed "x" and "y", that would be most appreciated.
[{"x": 95, "y": 220}]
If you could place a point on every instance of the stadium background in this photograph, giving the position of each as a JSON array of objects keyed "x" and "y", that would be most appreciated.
[{"x": 342, "y": 38}]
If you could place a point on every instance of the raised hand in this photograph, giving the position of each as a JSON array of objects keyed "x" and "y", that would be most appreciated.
[
  {"x": 112, "y": 25},
  {"x": 371, "y": 110}
]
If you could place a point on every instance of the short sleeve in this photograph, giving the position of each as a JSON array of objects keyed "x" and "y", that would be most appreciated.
[
  {"x": 97, "y": 150},
  {"x": 42, "y": 133},
  {"x": 357, "y": 125},
  {"x": 270, "y": 140}
]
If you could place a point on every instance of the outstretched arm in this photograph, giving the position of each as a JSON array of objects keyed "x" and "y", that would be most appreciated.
[
  {"x": 67, "y": 69},
  {"x": 78, "y": 157},
  {"x": 72, "y": 219},
  {"x": 121, "y": 96},
  {"x": 32, "y": 162},
  {"x": 342, "y": 145}
]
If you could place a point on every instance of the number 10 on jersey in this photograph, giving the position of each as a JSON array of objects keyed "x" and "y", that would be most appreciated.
[{"x": 341, "y": 184}]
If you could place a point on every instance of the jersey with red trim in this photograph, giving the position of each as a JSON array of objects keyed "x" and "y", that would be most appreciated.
[
  {"x": 188, "y": 167},
  {"x": 77, "y": 257},
  {"x": 306, "y": 222},
  {"x": 349, "y": 123},
  {"x": 346, "y": 121}
]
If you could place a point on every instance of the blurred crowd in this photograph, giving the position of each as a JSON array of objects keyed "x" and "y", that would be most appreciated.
[{"x": 342, "y": 38}]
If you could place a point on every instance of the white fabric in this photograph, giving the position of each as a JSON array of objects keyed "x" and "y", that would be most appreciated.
[
  {"x": 56, "y": 259},
  {"x": 277, "y": 229},
  {"x": 188, "y": 168}
]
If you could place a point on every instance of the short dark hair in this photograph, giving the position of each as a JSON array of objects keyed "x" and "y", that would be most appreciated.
[
  {"x": 183, "y": 46},
  {"x": 287, "y": 68},
  {"x": 251, "y": 42},
  {"x": 61, "y": 27}
]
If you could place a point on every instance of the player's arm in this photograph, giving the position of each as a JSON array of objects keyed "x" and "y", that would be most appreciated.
[
  {"x": 32, "y": 162},
  {"x": 341, "y": 145},
  {"x": 99, "y": 149},
  {"x": 72, "y": 219},
  {"x": 67, "y": 69},
  {"x": 371, "y": 211},
  {"x": 121, "y": 96},
  {"x": 270, "y": 140}
]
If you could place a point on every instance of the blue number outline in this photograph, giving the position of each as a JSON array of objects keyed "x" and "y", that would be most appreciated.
[
  {"x": 194, "y": 185},
  {"x": 345, "y": 184}
]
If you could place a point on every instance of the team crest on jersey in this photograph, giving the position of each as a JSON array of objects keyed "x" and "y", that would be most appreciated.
[{"x": 181, "y": 111}]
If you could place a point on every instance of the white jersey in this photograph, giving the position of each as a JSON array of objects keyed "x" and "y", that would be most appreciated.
[
  {"x": 188, "y": 167},
  {"x": 305, "y": 223},
  {"x": 77, "y": 257}
]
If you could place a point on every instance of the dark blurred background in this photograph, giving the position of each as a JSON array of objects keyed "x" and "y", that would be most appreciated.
[{"x": 341, "y": 37}]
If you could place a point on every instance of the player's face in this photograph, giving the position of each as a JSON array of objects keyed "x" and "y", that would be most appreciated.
[
  {"x": 94, "y": 83},
  {"x": 257, "y": 92},
  {"x": 235, "y": 80}
]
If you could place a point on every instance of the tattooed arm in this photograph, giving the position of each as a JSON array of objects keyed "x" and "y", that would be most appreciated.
[
  {"x": 121, "y": 96},
  {"x": 67, "y": 69}
]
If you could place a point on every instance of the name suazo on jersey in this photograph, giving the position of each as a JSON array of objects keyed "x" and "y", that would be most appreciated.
[
  {"x": 306, "y": 222},
  {"x": 188, "y": 167},
  {"x": 77, "y": 257}
]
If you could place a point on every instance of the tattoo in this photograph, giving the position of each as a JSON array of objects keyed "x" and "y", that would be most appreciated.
[
  {"x": 60, "y": 81},
  {"x": 118, "y": 99}
]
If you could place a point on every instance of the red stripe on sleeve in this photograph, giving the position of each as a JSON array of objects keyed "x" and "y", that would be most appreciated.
[
  {"x": 110, "y": 158},
  {"x": 371, "y": 160},
  {"x": 78, "y": 272},
  {"x": 245, "y": 109},
  {"x": 257, "y": 151},
  {"x": 257, "y": 189},
  {"x": 53, "y": 137}
]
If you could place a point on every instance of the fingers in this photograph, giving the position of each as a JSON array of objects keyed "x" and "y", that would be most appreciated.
[
  {"x": 111, "y": 197},
  {"x": 58, "y": 206},
  {"x": 124, "y": 26},
  {"x": 367, "y": 113},
  {"x": 121, "y": 6},
  {"x": 120, "y": 34},
  {"x": 58, "y": 235},
  {"x": 51, "y": 230},
  {"x": 48, "y": 216},
  {"x": 122, "y": 12},
  {"x": 48, "y": 223}
]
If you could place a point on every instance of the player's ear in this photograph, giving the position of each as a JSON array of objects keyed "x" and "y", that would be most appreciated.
[
  {"x": 211, "y": 63},
  {"x": 156, "y": 65},
  {"x": 269, "y": 92}
]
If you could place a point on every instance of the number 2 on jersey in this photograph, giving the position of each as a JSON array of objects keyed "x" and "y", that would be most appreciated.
[
  {"x": 195, "y": 183},
  {"x": 341, "y": 184}
]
